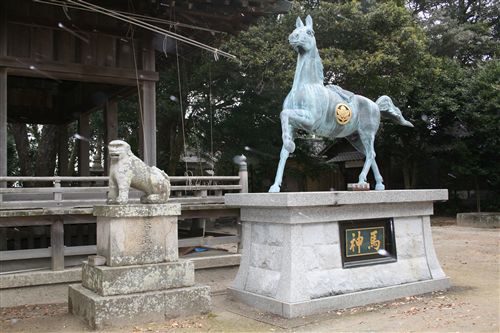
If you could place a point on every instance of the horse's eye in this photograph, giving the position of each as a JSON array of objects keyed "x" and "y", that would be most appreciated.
[{"x": 309, "y": 32}]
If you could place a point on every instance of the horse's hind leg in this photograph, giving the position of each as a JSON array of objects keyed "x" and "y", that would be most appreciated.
[{"x": 365, "y": 144}]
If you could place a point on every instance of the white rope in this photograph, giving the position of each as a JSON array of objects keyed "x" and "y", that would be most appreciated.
[
  {"x": 180, "y": 103},
  {"x": 139, "y": 96},
  {"x": 210, "y": 108}
]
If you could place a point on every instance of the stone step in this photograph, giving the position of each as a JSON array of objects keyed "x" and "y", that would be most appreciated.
[{"x": 102, "y": 311}]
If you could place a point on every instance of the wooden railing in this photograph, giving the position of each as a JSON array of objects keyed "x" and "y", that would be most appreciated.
[
  {"x": 67, "y": 203},
  {"x": 66, "y": 191}
]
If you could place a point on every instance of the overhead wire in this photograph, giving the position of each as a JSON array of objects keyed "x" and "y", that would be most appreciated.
[
  {"x": 65, "y": 6},
  {"x": 127, "y": 18}
]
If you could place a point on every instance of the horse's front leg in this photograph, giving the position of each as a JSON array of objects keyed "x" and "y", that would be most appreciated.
[
  {"x": 298, "y": 118},
  {"x": 279, "y": 172}
]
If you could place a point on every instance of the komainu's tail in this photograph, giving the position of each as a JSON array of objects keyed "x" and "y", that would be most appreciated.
[{"x": 388, "y": 109}]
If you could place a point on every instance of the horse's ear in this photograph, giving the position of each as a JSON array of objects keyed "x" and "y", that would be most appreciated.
[
  {"x": 299, "y": 23},
  {"x": 309, "y": 21}
]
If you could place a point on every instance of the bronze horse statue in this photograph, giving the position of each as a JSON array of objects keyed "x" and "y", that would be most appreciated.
[{"x": 329, "y": 111}]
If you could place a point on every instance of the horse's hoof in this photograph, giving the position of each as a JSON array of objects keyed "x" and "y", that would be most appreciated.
[
  {"x": 379, "y": 187},
  {"x": 274, "y": 189}
]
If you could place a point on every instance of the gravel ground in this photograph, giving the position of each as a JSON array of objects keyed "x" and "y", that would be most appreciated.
[{"x": 470, "y": 257}]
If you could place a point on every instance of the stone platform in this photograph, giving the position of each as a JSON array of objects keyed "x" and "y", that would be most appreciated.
[
  {"x": 295, "y": 258},
  {"x": 143, "y": 279}
]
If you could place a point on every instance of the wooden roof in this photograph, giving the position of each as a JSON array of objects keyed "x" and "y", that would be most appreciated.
[{"x": 63, "y": 61}]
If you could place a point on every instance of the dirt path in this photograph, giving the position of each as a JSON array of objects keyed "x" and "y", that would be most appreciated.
[{"x": 470, "y": 257}]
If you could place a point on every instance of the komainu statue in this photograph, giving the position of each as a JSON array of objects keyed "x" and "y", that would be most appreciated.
[
  {"x": 126, "y": 170},
  {"x": 329, "y": 111}
]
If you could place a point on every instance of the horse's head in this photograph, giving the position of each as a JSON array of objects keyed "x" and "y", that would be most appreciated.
[{"x": 302, "y": 38}]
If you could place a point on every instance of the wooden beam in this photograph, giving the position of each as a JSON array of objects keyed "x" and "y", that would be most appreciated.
[
  {"x": 83, "y": 145},
  {"x": 75, "y": 72}
]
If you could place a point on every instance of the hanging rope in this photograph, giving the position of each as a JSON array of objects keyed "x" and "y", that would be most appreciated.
[
  {"x": 180, "y": 103},
  {"x": 139, "y": 95},
  {"x": 210, "y": 109}
]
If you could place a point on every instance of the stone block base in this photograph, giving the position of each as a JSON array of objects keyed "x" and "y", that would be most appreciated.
[
  {"x": 319, "y": 305},
  {"x": 107, "y": 281},
  {"x": 479, "y": 220},
  {"x": 101, "y": 311}
]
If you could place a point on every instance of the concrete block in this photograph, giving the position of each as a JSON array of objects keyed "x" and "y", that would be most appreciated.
[
  {"x": 106, "y": 281},
  {"x": 360, "y": 298},
  {"x": 266, "y": 257},
  {"x": 102, "y": 311},
  {"x": 305, "y": 228},
  {"x": 479, "y": 220}
]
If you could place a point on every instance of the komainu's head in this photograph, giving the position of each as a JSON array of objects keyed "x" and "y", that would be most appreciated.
[{"x": 118, "y": 149}]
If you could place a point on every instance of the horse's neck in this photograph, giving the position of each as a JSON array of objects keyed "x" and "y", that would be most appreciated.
[{"x": 309, "y": 70}]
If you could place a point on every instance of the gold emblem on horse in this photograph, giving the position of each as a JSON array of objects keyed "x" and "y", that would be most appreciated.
[{"x": 343, "y": 113}]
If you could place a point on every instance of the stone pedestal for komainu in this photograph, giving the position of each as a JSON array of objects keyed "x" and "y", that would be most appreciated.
[
  {"x": 306, "y": 253},
  {"x": 143, "y": 279}
]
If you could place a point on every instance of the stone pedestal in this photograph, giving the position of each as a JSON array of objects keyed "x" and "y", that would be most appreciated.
[
  {"x": 294, "y": 254},
  {"x": 143, "y": 279}
]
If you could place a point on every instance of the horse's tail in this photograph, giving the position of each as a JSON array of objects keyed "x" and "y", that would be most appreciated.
[{"x": 388, "y": 109}]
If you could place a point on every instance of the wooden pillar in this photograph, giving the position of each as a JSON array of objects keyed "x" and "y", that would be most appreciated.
[
  {"x": 3, "y": 94},
  {"x": 83, "y": 145},
  {"x": 111, "y": 120},
  {"x": 57, "y": 244},
  {"x": 62, "y": 154},
  {"x": 148, "y": 91},
  {"x": 3, "y": 123},
  {"x": 149, "y": 121}
]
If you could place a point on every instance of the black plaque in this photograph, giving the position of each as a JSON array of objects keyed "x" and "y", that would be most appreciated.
[{"x": 367, "y": 242}]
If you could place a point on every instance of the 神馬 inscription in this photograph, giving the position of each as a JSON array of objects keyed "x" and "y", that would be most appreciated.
[
  {"x": 364, "y": 241},
  {"x": 367, "y": 242}
]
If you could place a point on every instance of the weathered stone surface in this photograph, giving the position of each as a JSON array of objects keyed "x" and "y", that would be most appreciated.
[
  {"x": 334, "y": 198},
  {"x": 292, "y": 252},
  {"x": 107, "y": 281},
  {"x": 479, "y": 220},
  {"x": 127, "y": 241},
  {"x": 101, "y": 311},
  {"x": 137, "y": 210},
  {"x": 127, "y": 170}
]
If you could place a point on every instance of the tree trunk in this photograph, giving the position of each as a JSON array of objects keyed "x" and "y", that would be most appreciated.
[
  {"x": 47, "y": 150},
  {"x": 20, "y": 134}
]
